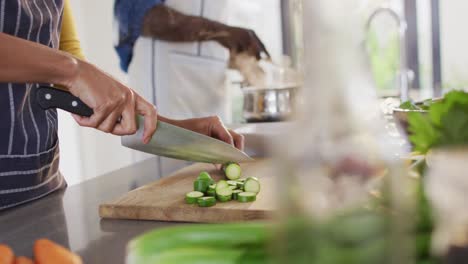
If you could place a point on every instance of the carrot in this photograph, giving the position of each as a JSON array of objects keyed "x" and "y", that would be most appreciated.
[
  {"x": 23, "y": 260},
  {"x": 6, "y": 254},
  {"x": 48, "y": 252}
]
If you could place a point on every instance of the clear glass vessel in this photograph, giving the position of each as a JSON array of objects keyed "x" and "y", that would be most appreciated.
[{"x": 343, "y": 191}]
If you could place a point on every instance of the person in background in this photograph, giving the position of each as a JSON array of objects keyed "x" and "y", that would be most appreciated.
[
  {"x": 31, "y": 34},
  {"x": 189, "y": 79},
  {"x": 177, "y": 52}
]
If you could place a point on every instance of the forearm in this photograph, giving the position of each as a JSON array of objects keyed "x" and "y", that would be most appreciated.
[
  {"x": 23, "y": 61},
  {"x": 165, "y": 23}
]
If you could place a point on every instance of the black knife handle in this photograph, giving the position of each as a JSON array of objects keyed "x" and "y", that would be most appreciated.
[{"x": 48, "y": 97}]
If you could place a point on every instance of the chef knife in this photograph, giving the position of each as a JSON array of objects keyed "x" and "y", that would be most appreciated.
[{"x": 168, "y": 140}]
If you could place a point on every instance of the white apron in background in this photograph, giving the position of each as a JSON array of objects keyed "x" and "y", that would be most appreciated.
[{"x": 187, "y": 80}]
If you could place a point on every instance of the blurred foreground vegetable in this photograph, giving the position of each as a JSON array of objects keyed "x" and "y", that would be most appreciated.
[
  {"x": 23, "y": 260},
  {"x": 45, "y": 252},
  {"x": 357, "y": 236},
  {"x": 6, "y": 254},
  {"x": 217, "y": 244},
  {"x": 48, "y": 252}
]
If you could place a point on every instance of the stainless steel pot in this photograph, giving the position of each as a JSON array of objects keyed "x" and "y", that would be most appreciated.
[{"x": 268, "y": 104}]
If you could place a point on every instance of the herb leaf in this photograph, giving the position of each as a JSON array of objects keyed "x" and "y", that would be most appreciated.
[
  {"x": 446, "y": 123},
  {"x": 408, "y": 105}
]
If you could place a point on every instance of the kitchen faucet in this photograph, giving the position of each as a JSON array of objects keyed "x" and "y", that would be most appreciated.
[{"x": 404, "y": 74}]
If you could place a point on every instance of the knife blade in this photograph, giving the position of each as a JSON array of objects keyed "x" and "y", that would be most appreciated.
[{"x": 168, "y": 140}]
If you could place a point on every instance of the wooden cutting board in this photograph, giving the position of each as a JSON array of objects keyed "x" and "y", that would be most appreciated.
[{"x": 163, "y": 200}]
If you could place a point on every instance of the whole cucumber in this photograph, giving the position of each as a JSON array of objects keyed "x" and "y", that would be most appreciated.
[
  {"x": 202, "y": 255},
  {"x": 216, "y": 236}
]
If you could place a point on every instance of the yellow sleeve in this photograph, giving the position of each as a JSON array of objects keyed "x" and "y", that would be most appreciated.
[{"x": 69, "y": 41}]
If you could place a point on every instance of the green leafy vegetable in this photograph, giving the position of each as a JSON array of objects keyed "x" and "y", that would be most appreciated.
[
  {"x": 424, "y": 105},
  {"x": 446, "y": 123},
  {"x": 408, "y": 105},
  {"x": 423, "y": 134}
]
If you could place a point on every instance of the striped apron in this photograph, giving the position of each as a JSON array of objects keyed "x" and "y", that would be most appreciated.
[{"x": 29, "y": 152}]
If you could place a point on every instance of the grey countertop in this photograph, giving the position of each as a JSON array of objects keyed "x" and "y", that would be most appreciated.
[{"x": 71, "y": 217}]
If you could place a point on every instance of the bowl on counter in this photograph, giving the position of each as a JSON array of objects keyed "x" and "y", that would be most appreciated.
[{"x": 269, "y": 104}]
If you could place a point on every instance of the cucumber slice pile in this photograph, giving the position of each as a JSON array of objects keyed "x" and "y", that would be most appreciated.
[{"x": 207, "y": 192}]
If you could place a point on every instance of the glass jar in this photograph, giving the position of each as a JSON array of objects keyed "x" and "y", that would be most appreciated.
[{"x": 343, "y": 192}]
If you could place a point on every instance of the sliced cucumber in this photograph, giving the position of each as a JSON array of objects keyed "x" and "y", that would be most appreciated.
[
  {"x": 233, "y": 171},
  {"x": 224, "y": 199},
  {"x": 224, "y": 195},
  {"x": 232, "y": 183},
  {"x": 201, "y": 185},
  {"x": 240, "y": 185},
  {"x": 235, "y": 193},
  {"x": 232, "y": 187},
  {"x": 246, "y": 197},
  {"x": 192, "y": 197},
  {"x": 206, "y": 201},
  {"x": 204, "y": 176},
  {"x": 211, "y": 192},
  {"x": 221, "y": 185},
  {"x": 252, "y": 185}
]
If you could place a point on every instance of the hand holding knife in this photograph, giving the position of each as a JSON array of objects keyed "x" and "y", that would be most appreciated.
[{"x": 169, "y": 140}]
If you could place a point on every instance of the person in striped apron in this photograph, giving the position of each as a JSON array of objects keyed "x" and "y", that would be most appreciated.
[{"x": 29, "y": 154}]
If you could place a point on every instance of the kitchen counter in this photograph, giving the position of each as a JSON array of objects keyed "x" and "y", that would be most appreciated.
[{"x": 71, "y": 217}]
